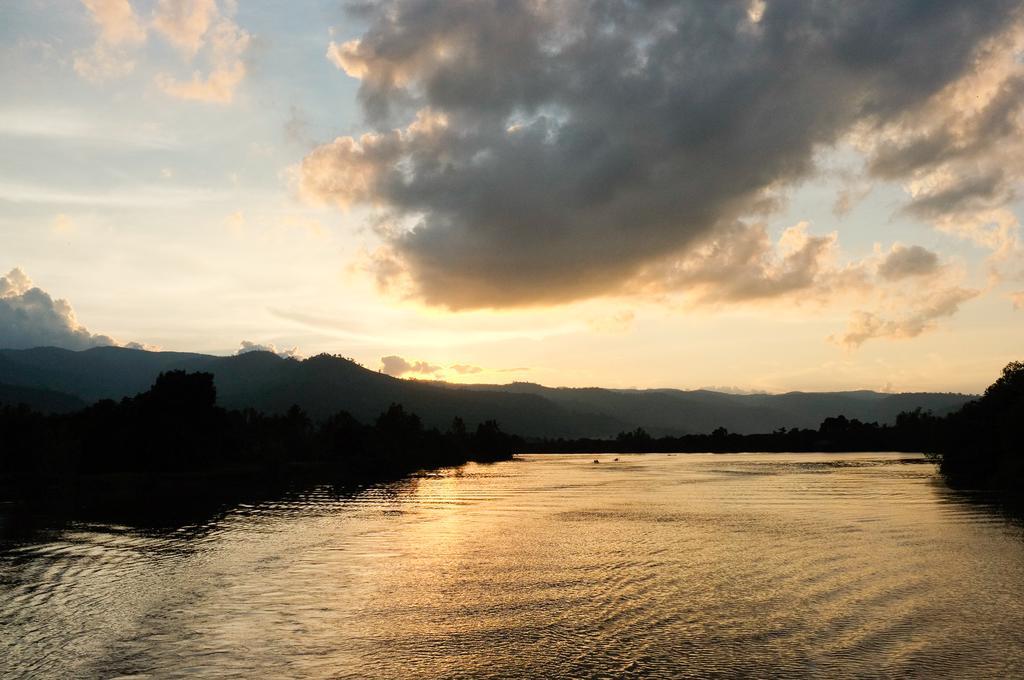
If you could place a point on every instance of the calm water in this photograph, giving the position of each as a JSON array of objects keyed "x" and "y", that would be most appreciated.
[{"x": 653, "y": 566}]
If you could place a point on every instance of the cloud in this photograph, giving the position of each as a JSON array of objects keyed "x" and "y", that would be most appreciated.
[
  {"x": 77, "y": 125},
  {"x": 537, "y": 153},
  {"x": 246, "y": 346},
  {"x": 30, "y": 317},
  {"x": 397, "y": 366},
  {"x": 921, "y": 317},
  {"x": 142, "y": 346},
  {"x": 117, "y": 21},
  {"x": 956, "y": 155},
  {"x": 139, "y": 195},
  {"x": 296, "y": 128},
  {"x": 903, "y": 261},
  {"x": 961, "y": 155},
  {"x": 902, "y": 292},
  {"x": 465, "y": 369},
  {"x": 184, "y": 23},
  {"x": 731, "y": 389},
  {"x": 196, "y": 25},
  {"x": 64, "y": 225},
  {"x": 102, "y": 63},
  {"x": 119, "y": 26},
  {"x": 740, "y": 263},
  {"x": 197, "y": 28},
  {"x": 848, "y": 198},
  {"x": 1017, "y": 298}
]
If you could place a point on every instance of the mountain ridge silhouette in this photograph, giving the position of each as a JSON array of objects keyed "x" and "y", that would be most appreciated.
[{"x": 324, "y": 384}]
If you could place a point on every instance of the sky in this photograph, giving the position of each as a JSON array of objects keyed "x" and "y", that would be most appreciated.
[{"x": 760, "y": 195}]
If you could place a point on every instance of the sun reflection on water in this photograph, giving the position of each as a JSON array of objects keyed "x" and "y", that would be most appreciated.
[{"x": 652, "y": 566}]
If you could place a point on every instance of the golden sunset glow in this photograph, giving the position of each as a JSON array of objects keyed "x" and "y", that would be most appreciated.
[{"x": 183, "y": 189}]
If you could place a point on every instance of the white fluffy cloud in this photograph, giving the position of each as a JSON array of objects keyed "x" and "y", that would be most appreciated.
[
  {"x": 397, "y": 366},
  {"x": 246, "y": 346},
  {"x": 199, "y": 29},
  {"x": 909, "y": 291},
  {"x": 918, "y": 317},
  {"x": 30, "y": 317},
  {"x": 195, "y": 26},
  {"x": 184, "y": 23},
  {"x": 119, "y": 27}
]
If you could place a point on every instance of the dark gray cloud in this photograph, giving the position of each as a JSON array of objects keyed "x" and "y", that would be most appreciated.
[
  {"x": 971, "y": 192},
  {"x": 535, "y": 152},
  {"x": 30, "y": 317},
  {"x": 903, "y": 262},
  {"x": 970, "y": 146}
]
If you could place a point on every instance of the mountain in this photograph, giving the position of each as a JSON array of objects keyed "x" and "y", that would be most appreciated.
[
  {"x": 672, "y": 412},
  {"x": 44, "y": 401},
  {"x": 323, "y": 385}
]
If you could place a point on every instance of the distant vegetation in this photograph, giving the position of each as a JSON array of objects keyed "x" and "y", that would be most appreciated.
[
  {"x": 176, "y": 430},
  {"x": 836, "y": 433},
  {"x": 324, "y": 385},
  {"x": 980, "y": 445},
  {"x": 174, "y": 440}
]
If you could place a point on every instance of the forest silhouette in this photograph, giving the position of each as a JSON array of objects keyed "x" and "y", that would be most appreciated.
[
  {"x": 981, "y": 445},
  {"x": 173, "y": 443}
]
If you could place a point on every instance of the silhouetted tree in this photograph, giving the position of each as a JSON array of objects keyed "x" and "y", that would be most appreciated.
[
  {"x": 983, "y": 443},
  {"x": 638, "y": 441},
  {"x": 490, "y": 442}
]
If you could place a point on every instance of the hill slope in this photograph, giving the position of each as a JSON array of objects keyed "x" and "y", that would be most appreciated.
[
  {"x": 673, "y": 412},
  {"x": 323, "y": 385},
  {"x": 42, "y": 400}
]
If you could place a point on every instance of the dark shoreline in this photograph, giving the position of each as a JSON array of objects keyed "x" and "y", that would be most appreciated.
[
  {"x": 173, "y": 499},
  {"x": 172, "y": 448}
]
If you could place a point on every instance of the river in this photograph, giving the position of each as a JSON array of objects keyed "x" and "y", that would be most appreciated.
[{"x": 756, "y": 565}]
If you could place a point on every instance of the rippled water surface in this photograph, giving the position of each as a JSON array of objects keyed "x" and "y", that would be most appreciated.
[{"x": 549, "y": 566}]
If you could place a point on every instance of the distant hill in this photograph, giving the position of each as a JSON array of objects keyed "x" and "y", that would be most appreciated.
[
  {"x": 323, "y": 385},
  {"x": 673, "y": 412},
  {"x": 44, "y": 401}
]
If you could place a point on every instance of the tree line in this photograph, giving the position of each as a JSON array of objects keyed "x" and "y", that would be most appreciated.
[
  {"x": 981, "y": 445},
  {"x": 176, "y": 428}
]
